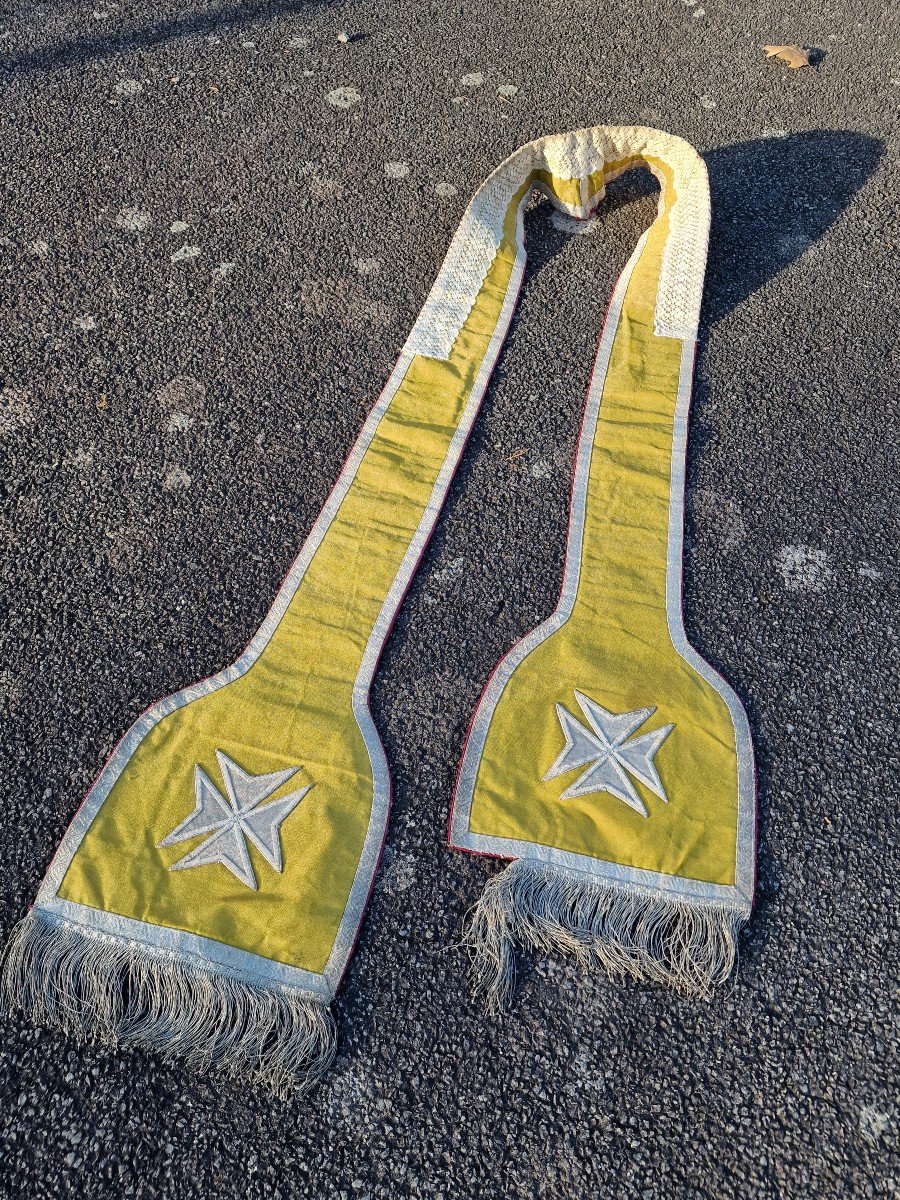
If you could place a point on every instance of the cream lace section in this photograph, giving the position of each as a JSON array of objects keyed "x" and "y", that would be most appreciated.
[{"x": 609, "y": 149}]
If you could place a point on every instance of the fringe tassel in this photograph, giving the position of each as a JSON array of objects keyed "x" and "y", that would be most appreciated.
[
  {"x": 687, "y": 945},
  {"x": 92, "y": 986}
]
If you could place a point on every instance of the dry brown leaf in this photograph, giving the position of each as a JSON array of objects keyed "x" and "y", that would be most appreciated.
[{"x": 794, "y": 56}]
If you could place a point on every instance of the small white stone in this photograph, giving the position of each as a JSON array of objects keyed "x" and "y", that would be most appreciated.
[
  {"x": 368, "y": 266},
  {"x": 185, "y": 252},
  {"x": 223, "y": 269},
  {"x": 541, "y": 469},
  {"x": 804, "y": 568},
  {"x": 298, "y": 43},
  {"x": 574, "y": 225},
  {"x": 722, "y": 515},
  {"x": 184, "y": 394},
  {"x": 82, "y": 457},
  {"x": 344, "y": 97},
  {"x": 248, "y": 45},
  {"x": 445, "y": 189},
  {"x": 507, "y": 90},
  {"x": 792, "y": 245},
  {"x": 40, "y": 247},
  {"x": 344, "y": 37},
  {"x": 323, "y": 187},
  {"x": 11, "y": 690},
  {"x": 453, "y": 570},
  {"x": 396, "y": 170},
  {"x": 178, "y": 227},
  {"x": 399, "y": 874},
  {"x": 474, "y": 79},
  {"x": 708, "y": 103},
  {"x": 16, "y": 411},
  {"x": 134, "y": 219},
  {"x": 873, "y": 1124},
  {"x": 459, "y": 100},
  {"x": 86, "y": 323},
  {"x": 868, "y": 572},
  {"x": 179, "y": 422},
  {"x": 699, "y": 12},
  {"x": 129, "y": 87},
  {"x": 176, "y": 480}
]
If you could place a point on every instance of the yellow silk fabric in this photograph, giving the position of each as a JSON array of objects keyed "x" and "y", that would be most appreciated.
[
  {"x": 293, "y": 706},
  {"x": 616, "y": 646}
]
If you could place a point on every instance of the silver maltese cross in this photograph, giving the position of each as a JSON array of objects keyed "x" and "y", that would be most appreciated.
[
  {"x": 233, "y": 818},
  {"x": 611, "y": 759}
]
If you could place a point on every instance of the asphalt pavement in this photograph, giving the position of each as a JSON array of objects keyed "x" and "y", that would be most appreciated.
[{"x": 218, "y": 223}]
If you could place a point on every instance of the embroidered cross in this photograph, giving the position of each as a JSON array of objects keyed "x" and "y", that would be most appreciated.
[
  {"x": 233, "y": 818},
  {"x": 604, "y": 744}
]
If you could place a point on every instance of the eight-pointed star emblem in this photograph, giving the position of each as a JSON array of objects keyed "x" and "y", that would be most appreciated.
[
  {"x": 612, "y": 758},
  {"x": 231, "y": 819}
]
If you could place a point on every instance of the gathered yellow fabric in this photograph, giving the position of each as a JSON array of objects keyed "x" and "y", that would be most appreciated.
[{"x": 209, "y": 892}]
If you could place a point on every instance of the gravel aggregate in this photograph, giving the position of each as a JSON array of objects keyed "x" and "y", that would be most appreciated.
[{"x": 218, "y": 224}]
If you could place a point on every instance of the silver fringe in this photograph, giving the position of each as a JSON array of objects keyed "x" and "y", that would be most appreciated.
[
  {"x": 93, "y": 986},
  {"x": 688, "y": 945}
]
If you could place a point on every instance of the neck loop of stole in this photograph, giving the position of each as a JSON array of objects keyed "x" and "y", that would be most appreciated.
[{"x": 208, "y": 893}]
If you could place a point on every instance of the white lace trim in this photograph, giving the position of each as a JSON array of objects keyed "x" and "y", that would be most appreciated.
[{"x": 576, "y": 155}]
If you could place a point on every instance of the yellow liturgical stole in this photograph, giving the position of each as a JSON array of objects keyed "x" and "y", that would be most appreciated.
[{"x": 210, "y": 890}]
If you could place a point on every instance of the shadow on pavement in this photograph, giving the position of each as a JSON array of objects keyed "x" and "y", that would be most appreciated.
[
  {"x": 59, "y": 55},
  {"x": 771, "y": 200}
]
